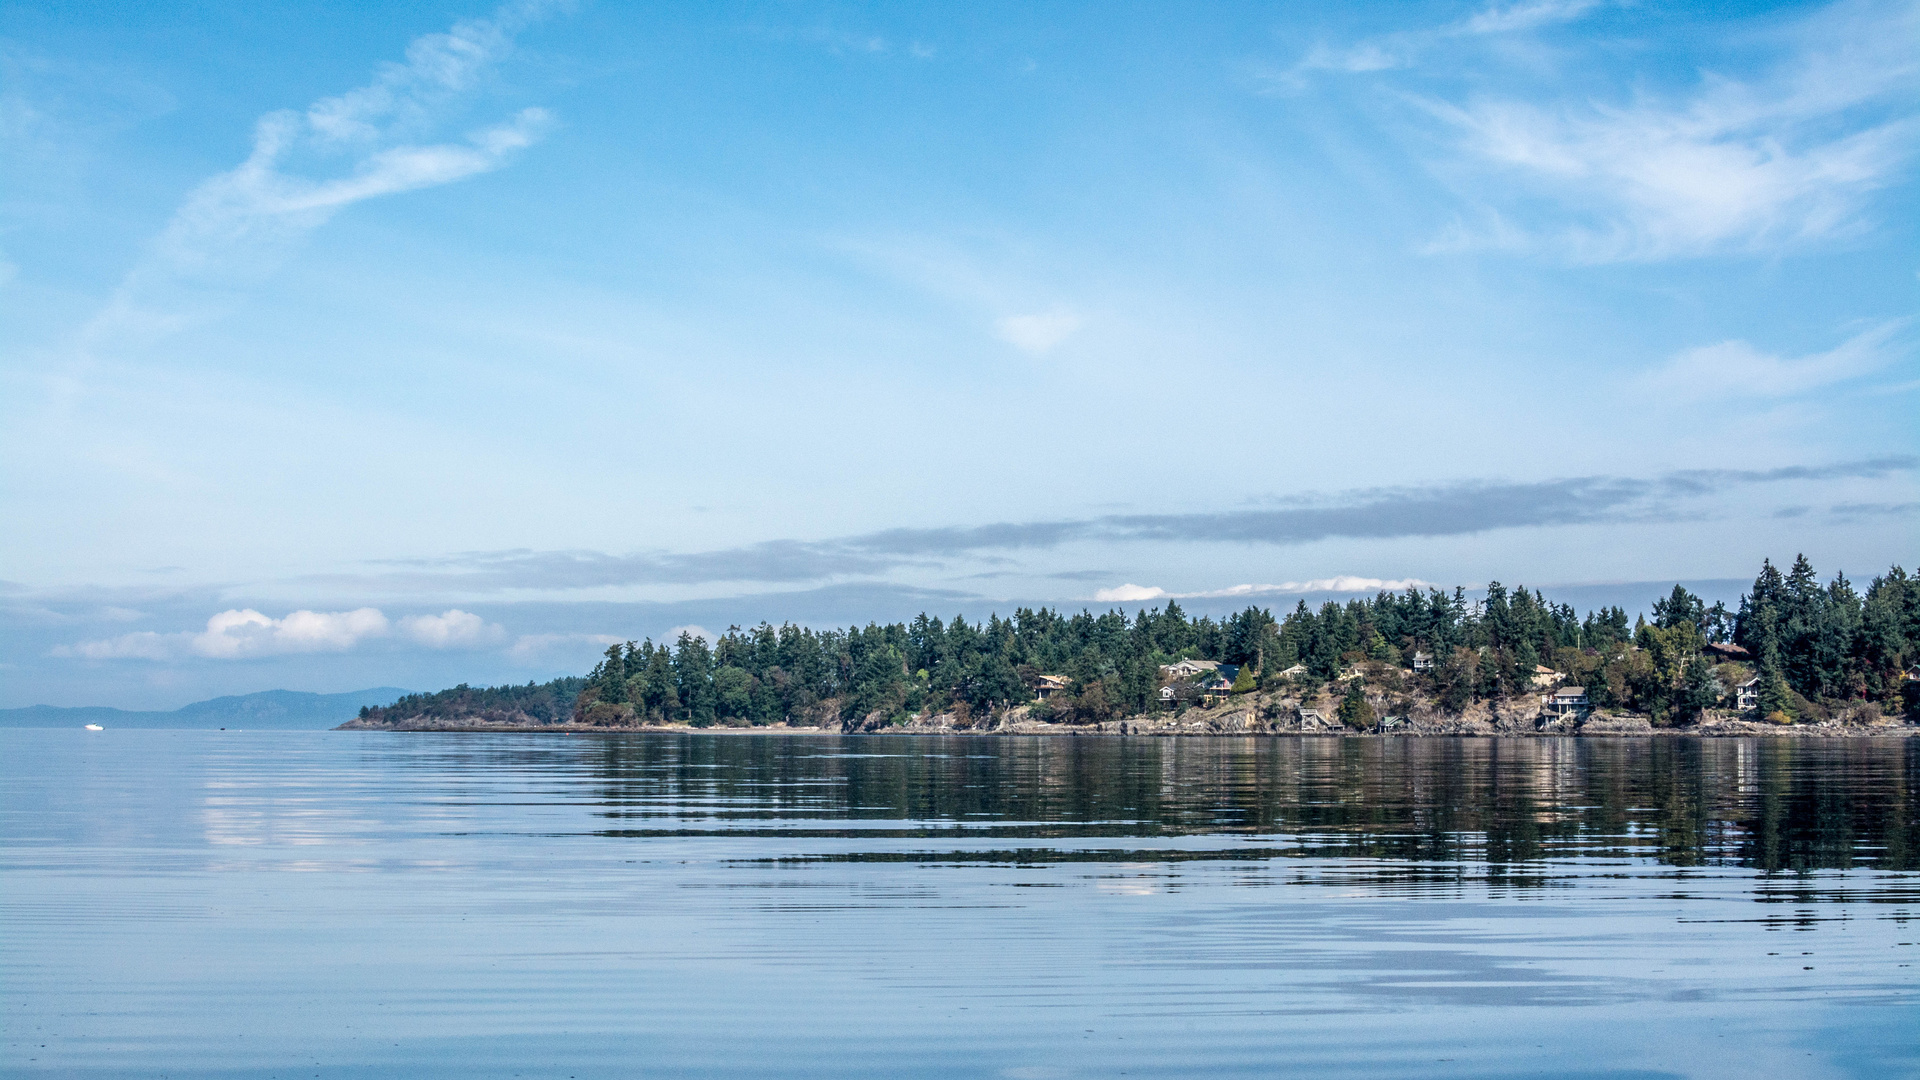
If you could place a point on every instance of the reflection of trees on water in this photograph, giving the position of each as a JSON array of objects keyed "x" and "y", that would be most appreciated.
[{"x": 1776, "y": 804}]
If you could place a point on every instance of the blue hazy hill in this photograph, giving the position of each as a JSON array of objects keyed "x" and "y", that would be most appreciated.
[{"x": 287, "y": 709}]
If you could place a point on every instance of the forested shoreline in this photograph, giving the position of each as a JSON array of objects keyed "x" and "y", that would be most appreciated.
[{"x": 1805, "y": 650}]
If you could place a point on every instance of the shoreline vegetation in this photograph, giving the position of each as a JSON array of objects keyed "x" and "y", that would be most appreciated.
[{"x": 1797, "y": 658}]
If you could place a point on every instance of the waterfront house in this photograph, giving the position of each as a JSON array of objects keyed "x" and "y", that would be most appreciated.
[
  {"x": 1746, "y": 696},
  {"x": 1422, "y": 660},
  {"x": 1391, "y": 723},
  {"x": 1048, "y": 685},
  {"x": 1567, "y": 703},
  {"x": 1219, "y": 686},
  {"x": 1168, "y": 694},
  {"x": 1311, "y": 720}
]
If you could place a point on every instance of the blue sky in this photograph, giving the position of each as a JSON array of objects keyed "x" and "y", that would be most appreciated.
[{"x": 437, "y": 343}]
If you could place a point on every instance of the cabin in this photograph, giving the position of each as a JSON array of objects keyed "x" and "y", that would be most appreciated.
[
  {"x": 1294, "y": 672},
  {"x": 1168, "y": 695},
  {"x": 1567, "y": 703},
  {"x": 1048, "y": 685},
  {"x": 1390, "y": 723},
  {"x": 1724, "y": 651},
  {"x": 1182, "y": 669},
  {"x": 1311, "y": 720},
  {"x": 1544, "y": 676},
  {"x": 1746, "y": 696},
  {"x": 1422, "y": 660}
]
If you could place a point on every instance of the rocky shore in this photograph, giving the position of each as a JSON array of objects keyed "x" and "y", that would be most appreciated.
[{"x": 1250, "y": 715}]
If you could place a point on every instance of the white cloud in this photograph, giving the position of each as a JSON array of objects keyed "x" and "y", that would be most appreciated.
[
  {"x": 248, "y": 633},
  {"x": 1129, "y": 592},
  {"x": 673, "y": 634},
  {"x": 143, "y": 645},
  {"x": 531, "y": 647},
  {"x": 243, "y": 632},
  {"x": 1525, "y": 16},
  {"x": 1736, "y": 369},
  {"x": 1038, "y": 333},
  {"x": 305, "y": 165},
  {"x": 1401, "y": 50},
  {"x": 1344, "y": 583},
  {"x": 453, "y": 629},
  {"x": 1788, "y": 158}
]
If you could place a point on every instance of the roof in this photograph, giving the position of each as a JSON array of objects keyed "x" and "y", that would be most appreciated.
[
  {"x": 1727, "y": 648},
  {"x": 1571, "y": 691},
  {"x": 1542, "y": 669},
  {"x": 1055, "y": 681}
]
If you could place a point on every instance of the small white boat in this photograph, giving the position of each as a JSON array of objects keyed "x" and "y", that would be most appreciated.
[{"x": 95, "y": 727}]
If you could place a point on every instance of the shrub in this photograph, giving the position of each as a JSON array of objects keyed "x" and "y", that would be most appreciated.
[{"x": 1778, "y": 717}]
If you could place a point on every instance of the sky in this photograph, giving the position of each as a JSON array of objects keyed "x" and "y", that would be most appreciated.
[{"x": 409, "y": 345}]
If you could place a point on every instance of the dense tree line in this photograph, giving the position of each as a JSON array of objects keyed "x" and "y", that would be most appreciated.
[
  {"x": 534, "y": 703},
  {"x": 1815, "y": 643},
  {"x": 1813, "y": 646}
]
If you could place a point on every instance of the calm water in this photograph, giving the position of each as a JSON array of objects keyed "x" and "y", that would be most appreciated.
[{"x": 295, "y": 904}]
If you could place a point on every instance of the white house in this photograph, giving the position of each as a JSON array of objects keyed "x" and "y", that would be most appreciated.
[
  {"x": 1294, "y": 672},
  {"x": 1422, "y": 660},
  {"x": 1746, "y": 696},
  {"x": 1544, "y": 676},
  {"x": 1184, "y": 668}
]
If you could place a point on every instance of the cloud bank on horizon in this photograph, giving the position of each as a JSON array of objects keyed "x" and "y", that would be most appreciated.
[{"x": 341, "y": 354}]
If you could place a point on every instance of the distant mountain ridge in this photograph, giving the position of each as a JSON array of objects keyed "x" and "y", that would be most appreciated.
[{"x": 282, "y": 709}]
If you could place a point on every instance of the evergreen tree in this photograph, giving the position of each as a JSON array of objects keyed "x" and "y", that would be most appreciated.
[
  {"x": 1772, "y": 691},
  {"x": 1354, "y": 710}
]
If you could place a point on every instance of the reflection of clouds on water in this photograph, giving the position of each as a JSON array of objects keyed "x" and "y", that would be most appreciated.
[{"x": 1132, "y": 879}]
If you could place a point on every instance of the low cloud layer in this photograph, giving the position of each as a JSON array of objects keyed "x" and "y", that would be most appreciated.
[
  {"x": 242, "y": 633},
  {"x": 1460, "y": 509},
  {"x": 1344, "y": 583}
]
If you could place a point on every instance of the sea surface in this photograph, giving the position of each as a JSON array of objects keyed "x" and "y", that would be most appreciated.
[{"x": 371, "y": 904}]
